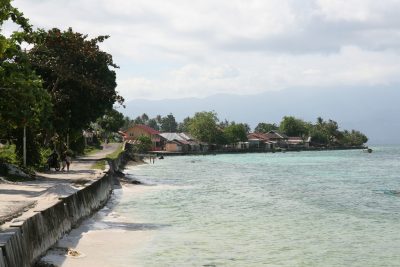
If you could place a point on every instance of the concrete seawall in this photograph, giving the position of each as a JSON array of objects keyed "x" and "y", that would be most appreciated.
[{"x": 25, "y": 241}]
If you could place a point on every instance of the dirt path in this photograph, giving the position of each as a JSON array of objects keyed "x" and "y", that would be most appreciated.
[{"x": 26, "y": 197}]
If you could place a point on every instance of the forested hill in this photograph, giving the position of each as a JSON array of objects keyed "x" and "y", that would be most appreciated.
[{"x": 372, "y": 110}]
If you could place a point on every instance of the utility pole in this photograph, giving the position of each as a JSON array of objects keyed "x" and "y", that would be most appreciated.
[{"x": 24, "y": 145}]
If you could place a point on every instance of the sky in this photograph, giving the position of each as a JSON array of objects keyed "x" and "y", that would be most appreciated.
[{"x": 176, "y": 49}]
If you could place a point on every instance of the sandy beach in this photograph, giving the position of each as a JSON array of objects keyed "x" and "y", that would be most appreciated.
[
  {"x": 100, "y": 238},
  {"x": 103, "y": 239}
]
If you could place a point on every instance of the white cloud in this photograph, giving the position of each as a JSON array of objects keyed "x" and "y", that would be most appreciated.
[
  {"x": 351, "y": 66},
  {"x": 206, "y": 47},
  {"x": 358, "y": 10}
]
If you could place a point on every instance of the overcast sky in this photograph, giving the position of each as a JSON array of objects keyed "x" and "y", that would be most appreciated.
[{"x": 180, "y": 48}]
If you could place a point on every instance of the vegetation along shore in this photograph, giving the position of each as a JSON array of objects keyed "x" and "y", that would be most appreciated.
[
  {"x": 59, "y": 101},
  {"x": 60, "y": 96}
]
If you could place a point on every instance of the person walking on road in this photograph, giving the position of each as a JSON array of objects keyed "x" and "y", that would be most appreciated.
[{"x": 66, "y": 160}]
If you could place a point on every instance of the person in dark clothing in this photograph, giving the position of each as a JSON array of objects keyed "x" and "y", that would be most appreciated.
[{"x": 52, "y": 161}]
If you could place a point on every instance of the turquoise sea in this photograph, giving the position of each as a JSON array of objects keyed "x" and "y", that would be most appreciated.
[{"x": 328, "y": 208}]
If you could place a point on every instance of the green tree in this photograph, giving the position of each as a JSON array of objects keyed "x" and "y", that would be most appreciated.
[
  {"x": 144, "y": 118},
  {"x": 319, "y": 136},
  {"x": 78, "y": 76},
  {"x": 353, "y": 138},
  {"x": 292, "y": 126},
  {"x": 235, "y": 133},
  {"x": 168, "y": 124},
  {"x": 23, "y": 101},
  {"x": 332, "y": 130},
  {"x": 263, "y": 127},
  {"x": 325, "y": 132},
  {"x": 112, "y": 121},
  {"x": 223, "y": 124},
  {"x": 158, "y": 119},
  {"x": 203, "y": 126},
  {"x": 144, "y": 144},
  {"x": 127, "y": 123},
  {"x": 246, "y": 127},
  {"x": 138, "y": 120},
  {"x": 153, "y": 124},
  {"x": 183, "y": 127}
]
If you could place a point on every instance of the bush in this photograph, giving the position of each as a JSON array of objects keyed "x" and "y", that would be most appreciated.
[
  {"x": 7, "y": 154},
  {"x": 144, "y": 144},
  {"x": 45, "y": 154}
]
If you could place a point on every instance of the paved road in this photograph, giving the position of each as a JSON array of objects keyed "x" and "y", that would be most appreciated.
[{"x": 25, "y": 197}]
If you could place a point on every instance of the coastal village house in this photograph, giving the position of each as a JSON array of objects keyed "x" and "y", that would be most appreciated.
[
  {"x": 275, "y": 139},
  {"x": 294, "y": 142},
  {"x": 182, "y": 142},
  {"x": 185, "y": 143},
  {"x": 278, "y": 138},
  {"x": 133, "y": 133},
  {"x": 260, "y": 141}
]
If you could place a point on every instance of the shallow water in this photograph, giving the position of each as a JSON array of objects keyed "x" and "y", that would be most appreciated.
[{"x": 329, "y": 208}]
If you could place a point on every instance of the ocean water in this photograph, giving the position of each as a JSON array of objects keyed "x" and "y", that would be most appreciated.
[{"x": 328, "y": 208}]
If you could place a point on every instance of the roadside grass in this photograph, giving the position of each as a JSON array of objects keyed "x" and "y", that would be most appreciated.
[
  {"x": 8, "y": 154},
  {"x": 89, "y": 150},
  {"x": 116, "y": 153},
  {"x": 101, "y": 163}
]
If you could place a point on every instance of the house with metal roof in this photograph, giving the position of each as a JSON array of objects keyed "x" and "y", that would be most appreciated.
[
  {"x": 182, "y": 142},
  {"x": 260, "y": 141}
]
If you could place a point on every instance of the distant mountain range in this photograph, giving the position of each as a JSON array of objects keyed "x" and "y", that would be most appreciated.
[{"x": 373, "y": 110}]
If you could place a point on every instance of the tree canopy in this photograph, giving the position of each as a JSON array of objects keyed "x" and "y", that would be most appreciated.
[
  {"x": 77, "y": 74},
  {"x": 23, "y": 101},
  {"x": 234, "y": 133},
  {"x": 112, "y": 121},
  {"x": 263, "y": 127},
  {"x": 168, "y": 124},
  {"x": 60, "y": 85},
  {"x": 292, "y": 126},
  {"x": 204, "y": 126},
  {"x": 184, "y": 125}
]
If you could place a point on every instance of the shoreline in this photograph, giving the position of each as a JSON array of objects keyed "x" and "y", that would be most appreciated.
[
  {"x": 89, "y": 236},
  {"x": 88, "y": 245},
  {"x": 101, "y": 230},
  {"x": 64, "y": 199},
  {"x": 246, "y": 151}
]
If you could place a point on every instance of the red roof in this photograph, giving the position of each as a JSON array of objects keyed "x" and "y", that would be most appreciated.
[
  {"x": 147, "y": 129},
  {"x": 260, "y": 136}
]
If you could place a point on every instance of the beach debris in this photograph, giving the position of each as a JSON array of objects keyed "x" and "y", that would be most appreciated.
[
  {"x": 73, "y": 253},
  {"x": 129, "y": 180}
]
